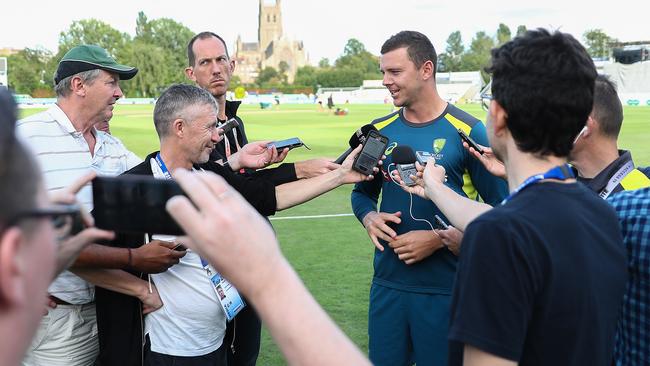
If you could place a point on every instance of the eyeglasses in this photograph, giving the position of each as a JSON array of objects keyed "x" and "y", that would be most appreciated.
[
  {"x": 486, "y": 98},
  {"x": 65, "y": 219}
]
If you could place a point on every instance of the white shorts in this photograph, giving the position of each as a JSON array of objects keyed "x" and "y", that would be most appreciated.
[{"x": 67, "y": 336}]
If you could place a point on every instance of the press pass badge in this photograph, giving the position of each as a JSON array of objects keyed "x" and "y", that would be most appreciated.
[{"x": 228, "y": 296}]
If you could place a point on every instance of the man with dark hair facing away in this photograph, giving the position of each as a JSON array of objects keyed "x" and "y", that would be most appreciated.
[{"x": 541, "y": 277}]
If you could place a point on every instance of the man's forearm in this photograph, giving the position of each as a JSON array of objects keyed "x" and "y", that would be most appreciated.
[
  {"x": 294, "y": 193},
  {"x": 460, "y": 211},
  {"x": 114, "y": 280},
  {"x": 308, "y": 336},
  {"x": 102, "y": 256}
]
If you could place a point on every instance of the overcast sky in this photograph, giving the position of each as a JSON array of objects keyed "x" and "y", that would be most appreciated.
[{"x": 326, "y": 25}]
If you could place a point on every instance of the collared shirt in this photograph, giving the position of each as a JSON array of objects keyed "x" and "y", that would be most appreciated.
[
  {"x": 64, "y": 155},
  {"x": 633, "y": 333},
  {"x": 599, "y": 182}
]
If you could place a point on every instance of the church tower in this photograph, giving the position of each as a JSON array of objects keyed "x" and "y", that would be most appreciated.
[{"x": 270, "y": 23}]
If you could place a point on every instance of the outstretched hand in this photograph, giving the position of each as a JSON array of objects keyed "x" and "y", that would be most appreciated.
[
  {"x": 350, "y": 175},
  {"x": 491, "y": 163},
  {"x": 256, "y": 155}
]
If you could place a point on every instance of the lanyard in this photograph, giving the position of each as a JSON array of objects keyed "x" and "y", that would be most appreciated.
[
  {"x": 560, "y": 172},
  {"x": 621, "y": 173},
  {"x": 228, "y": 296},
  {"x": 163, "y": 167}
]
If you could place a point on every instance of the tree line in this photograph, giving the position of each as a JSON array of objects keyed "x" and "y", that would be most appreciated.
[{"x": 158, "y": 49}]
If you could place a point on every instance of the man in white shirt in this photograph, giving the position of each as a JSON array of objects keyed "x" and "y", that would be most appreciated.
[{"x": 67, "y": 146}]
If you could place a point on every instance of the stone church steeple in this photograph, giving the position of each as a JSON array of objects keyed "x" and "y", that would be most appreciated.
[{"x": 270, "y": 23}]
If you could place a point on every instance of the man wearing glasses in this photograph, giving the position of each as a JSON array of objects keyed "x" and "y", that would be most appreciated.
[{"x": 29, "y": 229}]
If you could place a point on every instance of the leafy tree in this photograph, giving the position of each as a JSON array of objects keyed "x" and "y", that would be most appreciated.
[
  {"x": 142, "y": 27},
  {"x": 503, "y": 34},
  {"x": 478, "y": 56},
  {"x": 27, "y": 70},
  {"x": 598, "y": 43},
  {"x": 153, "y": 76},
  {"x": 356, "y": 58},
  {"x": 353, "y": 47},
  {"x": 340, "y": 77},
  {"x": 268, "y": 75},
  {"x": 521, "y": 30},
  {"x": 451, "y": 59},
  {"x": 92, "y": 31},
  {"x": 324, "y": 63},
  {"x": 171, "y": 37},
  {"x": 306, "y": 75}
]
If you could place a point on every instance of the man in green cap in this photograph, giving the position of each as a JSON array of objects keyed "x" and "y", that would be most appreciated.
[{"x": 67, "y": 145}]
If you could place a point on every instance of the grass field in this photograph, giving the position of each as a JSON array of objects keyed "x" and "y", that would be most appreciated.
[{"x": 332, "y": 255}]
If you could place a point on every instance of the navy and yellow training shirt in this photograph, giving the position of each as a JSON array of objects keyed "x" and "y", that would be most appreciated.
[{"x": 466, "y": 176}]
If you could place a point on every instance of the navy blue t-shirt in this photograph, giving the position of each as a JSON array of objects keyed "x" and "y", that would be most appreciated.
[{"x": 540, "y": 279}]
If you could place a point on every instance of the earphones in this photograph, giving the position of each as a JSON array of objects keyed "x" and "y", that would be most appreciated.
[{"x": 410, "y": 197}]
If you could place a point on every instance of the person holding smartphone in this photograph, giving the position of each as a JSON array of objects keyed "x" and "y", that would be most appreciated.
[{"x": 185, "y": 117}]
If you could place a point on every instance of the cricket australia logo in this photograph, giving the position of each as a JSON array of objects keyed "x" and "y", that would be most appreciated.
[{"x": 438, "y": 145}]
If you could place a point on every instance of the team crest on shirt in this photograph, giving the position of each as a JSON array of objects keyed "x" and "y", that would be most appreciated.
[{"x": 438, "y": 145}]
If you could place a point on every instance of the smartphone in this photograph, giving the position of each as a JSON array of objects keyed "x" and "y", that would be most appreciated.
[
  {"x": 291, "y": 143},
  {"x": 134, "y": 204},
  {"x": 423, "y": 156},
  {"x": 371, "y": 152},
  {"x": 441, "y": 225},
  {"x": 470, "y": 142},
  {"x": 228, "y": 125},
  {"x": 170, "y": 239}
]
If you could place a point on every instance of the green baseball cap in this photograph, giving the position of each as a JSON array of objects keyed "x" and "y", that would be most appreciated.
[{"x": 90, "y": 57}]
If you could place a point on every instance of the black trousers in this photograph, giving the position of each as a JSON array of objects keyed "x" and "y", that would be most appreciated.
[
  {"x": 243, "y": 333},
  {"x": 216, "y": 358}
]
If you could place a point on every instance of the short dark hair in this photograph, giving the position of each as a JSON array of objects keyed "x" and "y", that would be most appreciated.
[
  {"x": 419, "y": 47},
  {"x": 608, "y": 110},
  {"x": 20, "y": 177},
  {"x": 545, "y": 83},
  {"x": 191, "y": 57},
  {"x": 177, "y": 102}
]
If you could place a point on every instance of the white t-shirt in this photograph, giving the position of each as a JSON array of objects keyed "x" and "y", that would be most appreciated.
[
  {"x": 191, "y": 322},
  {"x": 64, "y": 155}
]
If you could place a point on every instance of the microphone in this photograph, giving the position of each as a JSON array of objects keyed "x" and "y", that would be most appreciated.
[
  {"x": 358, "y": 138},
  {"x": 404, "y": 158}
]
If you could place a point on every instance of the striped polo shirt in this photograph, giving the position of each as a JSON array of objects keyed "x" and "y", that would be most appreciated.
[{"x": 64, "y": 155}]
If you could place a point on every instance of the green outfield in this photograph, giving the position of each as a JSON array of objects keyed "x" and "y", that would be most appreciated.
[{"x": 332, "y": 255}]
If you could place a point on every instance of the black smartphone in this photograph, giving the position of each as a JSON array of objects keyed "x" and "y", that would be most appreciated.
[
  {"x": 372, "y": 151},
  {"x": 170, "y": 239},
  {"x": 291, "y": 143},
  {"x": 134, "y": 204},
  {"x": 441, "y": 225},
  {"x": 228, "y": 125},
  {"x": 470, "y": 142}
]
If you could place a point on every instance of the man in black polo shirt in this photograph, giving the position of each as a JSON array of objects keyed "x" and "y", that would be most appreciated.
[
  {"x": 600, "y": 164},
  {"x": 540, "y": 278}
]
